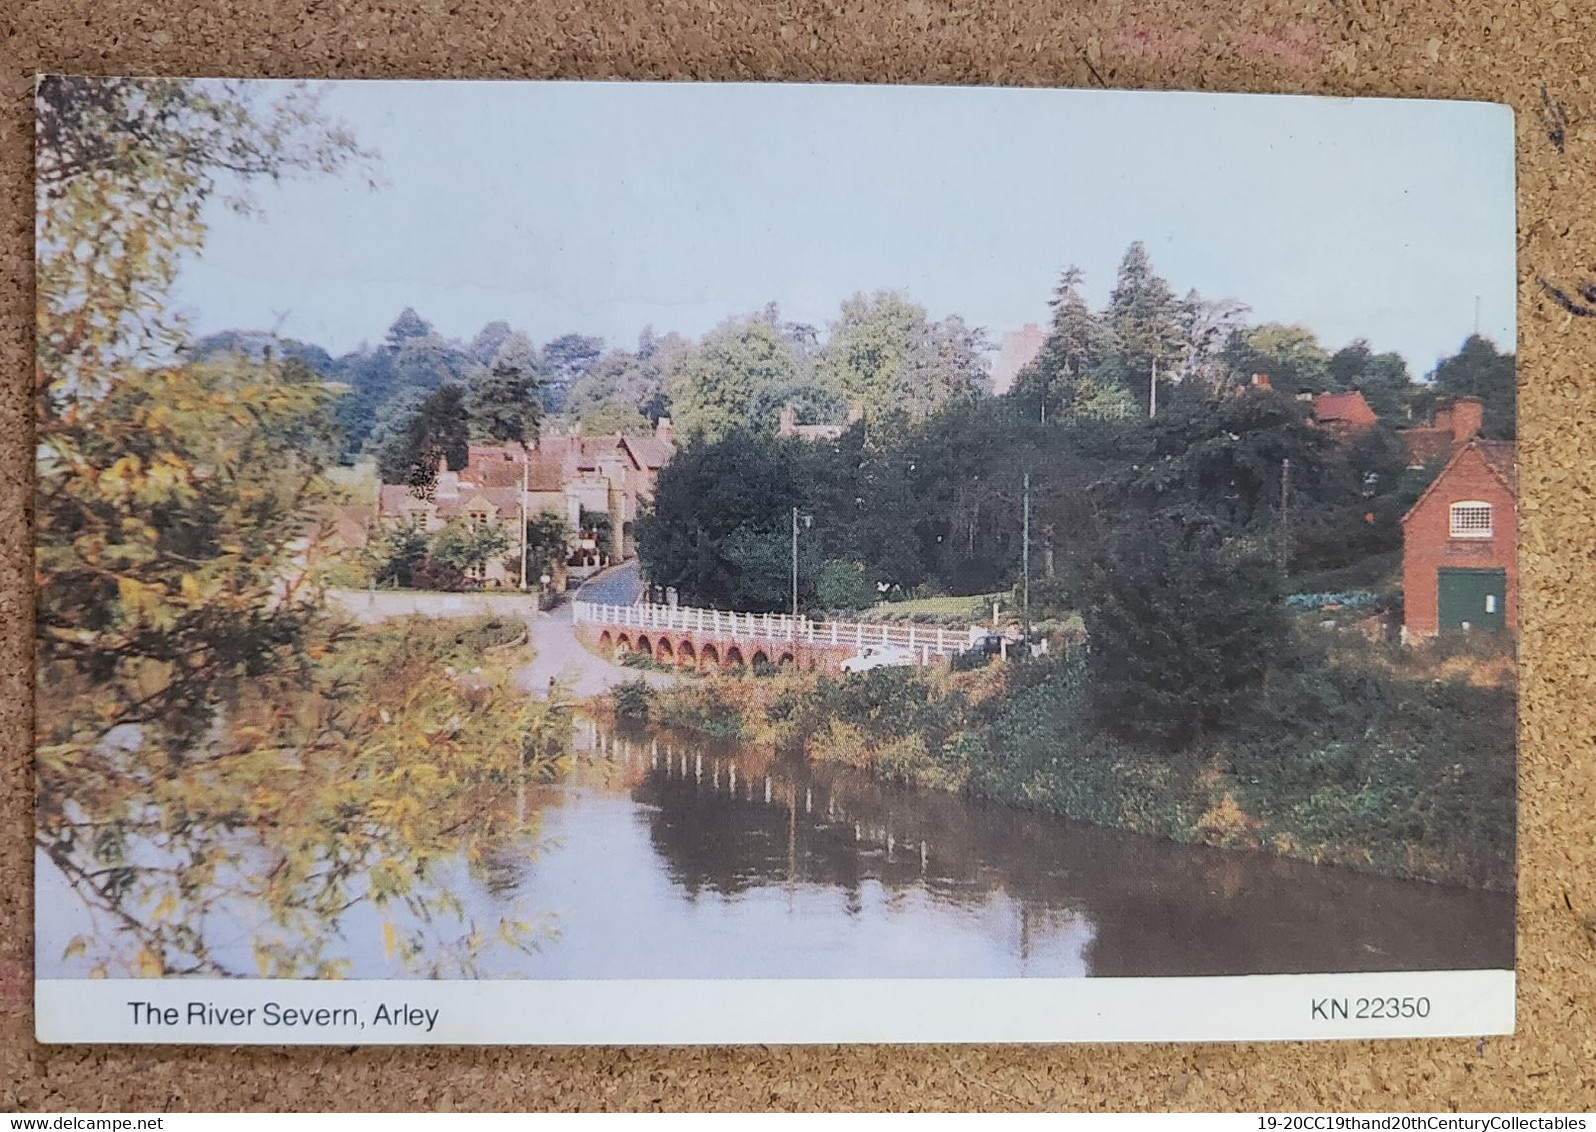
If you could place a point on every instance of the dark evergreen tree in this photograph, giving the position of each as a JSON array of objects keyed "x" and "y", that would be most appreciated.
[
  {"x": 505, "y": 400},
  {"x": 438, "y": 430},
  {"x": 1145, "y": 317},
  {"x": 1480, "y": 370},
  {"x": 1185, "y": 620}
]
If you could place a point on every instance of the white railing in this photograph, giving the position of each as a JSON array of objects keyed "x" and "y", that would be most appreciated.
[{"x": 935, "y": 640}]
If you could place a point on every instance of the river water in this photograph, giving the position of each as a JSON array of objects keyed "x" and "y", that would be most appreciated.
[
  {"x": 658, "y": 859},
  {"x": 666, "y": 860}
]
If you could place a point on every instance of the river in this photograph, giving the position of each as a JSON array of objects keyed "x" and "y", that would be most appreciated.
[{"x": 659, "y": 859}]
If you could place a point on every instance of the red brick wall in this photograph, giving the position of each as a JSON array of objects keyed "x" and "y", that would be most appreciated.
[{"x": 1428, "y": 545}]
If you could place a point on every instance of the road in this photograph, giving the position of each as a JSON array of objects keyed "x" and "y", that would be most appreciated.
[
  {"x": 559, "y": 656},
  {"x": 556, "y": 653},
  {"x": 621, "y": 586}
]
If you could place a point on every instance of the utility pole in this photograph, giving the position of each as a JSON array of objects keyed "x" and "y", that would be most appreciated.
[
  {"x": 1285, "y": 512},
  {"x": 795, "y": 567},
  {"x": 525, "y": 461},
  {"x": 1025, "y": 554},
  {"x": 1152, "y": 395}
]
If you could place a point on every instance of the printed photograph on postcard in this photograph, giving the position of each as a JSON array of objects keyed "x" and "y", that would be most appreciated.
[{"x": 642, "y": 562}]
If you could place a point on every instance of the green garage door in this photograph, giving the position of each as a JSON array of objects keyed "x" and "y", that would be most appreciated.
[{"x": 1473, "y": 599}]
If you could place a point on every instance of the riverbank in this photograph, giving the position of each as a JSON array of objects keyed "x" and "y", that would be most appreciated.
[{"x": 1391, "y": 761}]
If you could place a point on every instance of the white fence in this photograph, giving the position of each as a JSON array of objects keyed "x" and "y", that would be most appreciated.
[{"x": 934, "y": 640}]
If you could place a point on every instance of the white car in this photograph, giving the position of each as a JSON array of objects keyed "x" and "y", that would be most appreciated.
[{"x": 879, "y": 656}]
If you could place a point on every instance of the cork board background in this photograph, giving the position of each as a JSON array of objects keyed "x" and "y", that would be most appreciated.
[{"x": 1534, "y": 55}]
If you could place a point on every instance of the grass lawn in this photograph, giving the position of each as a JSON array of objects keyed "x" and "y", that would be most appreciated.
[{"x": 972, "y": 606}]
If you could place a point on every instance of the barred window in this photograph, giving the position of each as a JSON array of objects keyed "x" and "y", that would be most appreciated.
[{"x": 1471, "y": 520}]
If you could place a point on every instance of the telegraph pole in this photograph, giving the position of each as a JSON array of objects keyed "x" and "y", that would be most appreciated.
[
  {"x": 795, "y": 567},
  {"x": 1285, "y": 512},
  {"x": 1025, "y": 554},
  {"x": 526, "y": 459}
]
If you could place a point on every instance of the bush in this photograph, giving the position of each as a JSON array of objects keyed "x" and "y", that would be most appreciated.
[
  {"x": 633, "y": 701},
  {"x": 969, "y": 661},
  {"x": 843, "y": 585}
]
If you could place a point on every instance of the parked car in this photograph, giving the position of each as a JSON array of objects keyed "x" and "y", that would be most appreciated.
[{"x": 879, "y": 656}]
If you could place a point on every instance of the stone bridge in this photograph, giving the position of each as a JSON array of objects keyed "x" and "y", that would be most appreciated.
[{"x": 711, "y": 639}]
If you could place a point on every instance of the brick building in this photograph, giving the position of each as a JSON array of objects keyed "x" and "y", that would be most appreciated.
[
  {"x": 566, "y": 474},
  {"x": 1460, "y": 545},
  {"x": 1455, "y": 423},
  {"x": 1343, "y": 413}
]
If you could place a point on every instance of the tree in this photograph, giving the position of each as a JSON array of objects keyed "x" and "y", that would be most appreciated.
[
  {"x": 407, "y": 328},
  {"x": 486, "y": 343},
  {"x": 547, "y": 544},
  {"x": 565, "y": 360},
  {"x": 468, "y": 546},
  {"x": 1289, "y": 356},
  {"x": 735, "y": 379},
  {"x": 720, "y": 527},
  {"x": 1076, "y": 371},
  {"x": 619, "y": 393},
  {"x": 397, "y": 553},
  {"x": 1146, "y": 320},
  {"x": 947, "y": 362},
  {"x": 1383, "y": 379},
  {"x": 1185, "y": 623},
  {"x": 440, "y": 428},
  {"x": 413, "y": 356},
  {"x": 1478, "y": 369},
  {"x": 505, "y": 403},
  {"x": 197, "y": 755},
  {"x": 870, "y": 344},
  {"x": 843, "y": 585},
  {"x": 1206, "y": 326}
]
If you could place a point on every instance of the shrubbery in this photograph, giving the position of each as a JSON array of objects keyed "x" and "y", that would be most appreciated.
[{"x": 1392, "y": 760}]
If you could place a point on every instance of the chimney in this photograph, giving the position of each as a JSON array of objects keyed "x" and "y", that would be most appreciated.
[
  {"x": 663, "y": 430},
  {"x": 1467, "y": 418}
]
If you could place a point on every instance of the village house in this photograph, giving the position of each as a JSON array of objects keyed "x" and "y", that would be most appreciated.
[
  {"x": 1455, "y": 423},
  {"x": 1346, "y": 414},
  {"x": 573, "y": 476},
  {"x": 1460, "y": 545}
]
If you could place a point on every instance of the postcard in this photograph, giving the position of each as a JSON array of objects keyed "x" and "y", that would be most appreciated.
[{"x": 610, "y": 562}]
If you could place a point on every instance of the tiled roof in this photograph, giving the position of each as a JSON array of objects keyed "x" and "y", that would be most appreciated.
[
  {"x": 545, "y": 473},
  {"x": 1342, "y": 408},
  {"x": 397, "y": 499},
  {"x": 1502, "y": 456},
  {"x": 651, "y": 451},
  {"x": 1427, "y": 445}
]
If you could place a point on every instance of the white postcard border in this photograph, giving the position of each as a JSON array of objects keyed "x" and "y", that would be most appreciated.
[{"x": 775, "y": 1011}]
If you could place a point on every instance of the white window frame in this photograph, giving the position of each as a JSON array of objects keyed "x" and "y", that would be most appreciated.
[{"x": 1457, "y": 529}]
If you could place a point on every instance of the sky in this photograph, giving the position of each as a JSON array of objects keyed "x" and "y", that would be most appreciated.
[{"x": 600, "y": 208}]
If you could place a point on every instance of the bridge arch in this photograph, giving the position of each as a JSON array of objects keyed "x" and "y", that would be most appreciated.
[
  {"x": 709, "y": 656},
  {"x": 606, "y": 641},
  {"x": 786, "y": 660},
  {"x": 685, "y": 655},
  {"x": 623, "y": 645},
  {"x": 760, "y": 660},
  {"x": 645, "y": 645},
  {"x": 663, "y": 651},
  {"x": 734, "y": 658}
]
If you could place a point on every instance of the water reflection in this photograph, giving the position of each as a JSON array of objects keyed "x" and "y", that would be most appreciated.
[
  {"x": 761, "y": 867},
  {"x": 654, "y": 858}
]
